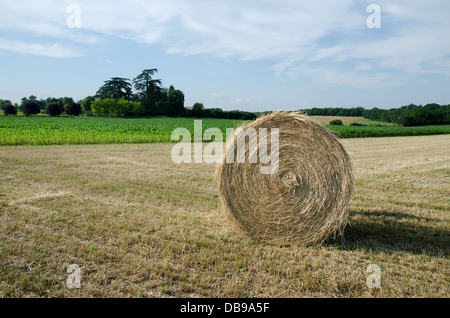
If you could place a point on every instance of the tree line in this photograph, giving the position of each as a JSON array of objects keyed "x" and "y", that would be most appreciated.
[
  {"x": 410, "y": 115},
  {"x": 145, "y": 96},
  {"x": 33, "y": 106},
  {"x": 116, "y": 98}
]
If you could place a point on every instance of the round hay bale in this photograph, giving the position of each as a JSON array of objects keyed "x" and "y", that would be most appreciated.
[{"x": 302, "y": 202}]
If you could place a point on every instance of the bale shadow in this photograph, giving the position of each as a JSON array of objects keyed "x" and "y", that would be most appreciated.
[{"x": 394, "y": 232}]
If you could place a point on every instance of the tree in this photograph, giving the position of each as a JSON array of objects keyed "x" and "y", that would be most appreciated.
[
  {"x": 53, "y": 110},
  {"x": 30, "y": 108},
  {"x": 53, "y": 100},
  {"x": 4, "y": 102},
  {"x": 162, "y": 102},
  {"x": 214, "y": 112},
  {"x": 197, "y": 110},
  {"x": 9, "y": 110},
  {"x": 73, "y": 109},
  {"x": 171, "y": 102},
  {"x": 176, "y": 102},
  {"x": 116, "y": 107},
  {"x": 148, "y": 88},
  {"x": 103, "y": 107},
  {"x": 31, "y": 98},
  {"x": 116, "y": 87},
  {"x": 65, "y": 101},
  {"x": 86, "y": 105},
  {"x": 336, "y": 122},
  {"x": 138, "y": 109},
  {"x": 40, "y": 102}
]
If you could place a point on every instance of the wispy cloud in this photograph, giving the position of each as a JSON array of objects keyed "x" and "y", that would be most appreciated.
[
  {"x": 49, "y": 50},
  {"x": 300, "y": 38}
]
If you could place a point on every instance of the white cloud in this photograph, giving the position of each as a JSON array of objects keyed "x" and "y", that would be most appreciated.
[
  {"x": 323, "y": 76},
  {"x": 49, "y": 50},
  {"x": 252, "y": 29},
  {"x": 106, "y": 60},
  {"x": 301, "y": 38},
  {"x": 363, "y": 67}
]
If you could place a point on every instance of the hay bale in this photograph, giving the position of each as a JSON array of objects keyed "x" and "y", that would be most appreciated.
[{"x": 306, "y": 200}]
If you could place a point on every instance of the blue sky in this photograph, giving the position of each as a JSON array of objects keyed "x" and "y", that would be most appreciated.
[{"x": 248, "y": 55}]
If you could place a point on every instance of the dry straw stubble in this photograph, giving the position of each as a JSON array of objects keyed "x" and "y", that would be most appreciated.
[{"x": 306, "y": 200}]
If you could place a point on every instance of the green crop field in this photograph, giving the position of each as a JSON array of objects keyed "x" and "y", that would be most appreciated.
[
  {"x": 388, "y": 131},
  {"x": 45, "y": 130},
  {"x": 42, "y": 130}
]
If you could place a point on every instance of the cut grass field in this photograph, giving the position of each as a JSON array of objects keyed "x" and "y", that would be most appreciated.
[
  {"x": 45, "y": 130},
  {"x": 345, "y": 119},
  {"x": 140, "y": 226}
]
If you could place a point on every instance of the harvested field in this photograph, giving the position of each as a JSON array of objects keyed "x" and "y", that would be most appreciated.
[
  {"x": 325, "y": 120},
  {"x": 140, "y": 226}
]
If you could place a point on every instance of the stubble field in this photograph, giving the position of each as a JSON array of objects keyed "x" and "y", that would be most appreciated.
[{"x": 140, "y": 226}]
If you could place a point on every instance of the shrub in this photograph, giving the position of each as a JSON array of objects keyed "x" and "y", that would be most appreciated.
[
  {"x": 86, "y": 105},
  {"x": 53, "y": 110},
  {"x": 9, "y": 110},
  {"x": 356, "y": 124},
  {"x": 336, "y": 122},
  {"x": 73, "y": 109},
  {"x": 30, "y": 108},
  {"x": 116, "y": 107},
  {"x": 103, "y": 107},
  {"x": 122, "y": 108},
  {"x": 138, "y": 109}
]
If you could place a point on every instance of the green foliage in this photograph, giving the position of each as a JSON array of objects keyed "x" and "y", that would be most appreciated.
[
  {"x": 66, "y": 101},
  {"x": 116, "y": 87},
  {"x": 45, "y": 130},
  {"x": 33, "y": 99},
  {"x": 86, "y": 105},
  {"x": 219, "y": 113},
  {"x": 122, "y": 108},
  {"x": 138, "y": 109},
  {"x": 116, "y": 108},
  {"x": 336, "y": 111},
  {"x": 197, "y": 110},
  {"x": 173, "y": 103},
  {"x": 412, "y": 115},
  {"x": 103, "y": 107},
  {"x": 336, "y": 122},
  {"x": 154, "y": 99},
  {"x": 148, "y": 90}
]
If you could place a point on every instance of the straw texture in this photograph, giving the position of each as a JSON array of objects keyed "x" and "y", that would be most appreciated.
[{"x": 306, "y": 200}]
